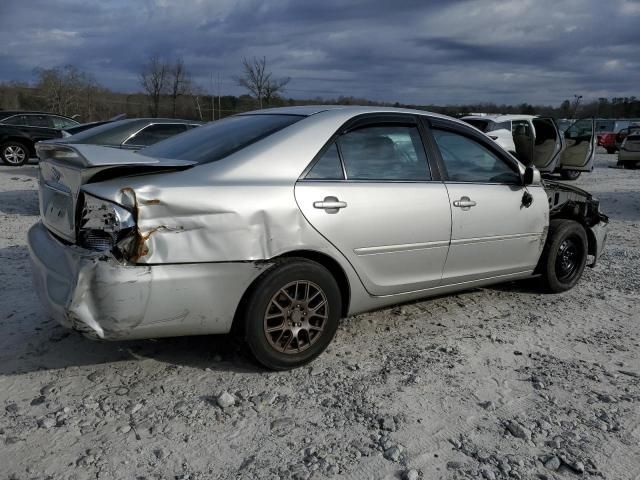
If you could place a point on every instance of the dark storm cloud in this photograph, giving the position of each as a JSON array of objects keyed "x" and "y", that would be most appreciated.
[{"x": 411, "y": 51}]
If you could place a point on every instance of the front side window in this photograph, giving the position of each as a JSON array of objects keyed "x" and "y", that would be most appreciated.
[
  {"x": 154, "y": 133},
  {"x": 466, "y": 160},
  {"x": 219, "y": 139}
]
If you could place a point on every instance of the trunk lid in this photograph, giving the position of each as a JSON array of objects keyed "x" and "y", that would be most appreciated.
[{"x": 65, "y": 168}]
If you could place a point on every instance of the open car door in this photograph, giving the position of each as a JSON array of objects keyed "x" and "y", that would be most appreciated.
[
  {"x": 547, "y": 144},
  {"x": 580, "y": 146}
]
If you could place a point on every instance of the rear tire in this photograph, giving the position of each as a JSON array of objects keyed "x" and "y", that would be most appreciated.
[
  {"x": 570, "y": 174},
  {"x": 14, "y": 153},
  {"x": 610, "y": 150},
  {"x": 291, "y": 314},
  {"x": 564, "y": 255}
]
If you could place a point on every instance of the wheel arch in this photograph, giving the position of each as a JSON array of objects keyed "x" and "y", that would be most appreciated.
[
  {"x": 323, "y": 259},
  {"x": 30, "y": 146}
]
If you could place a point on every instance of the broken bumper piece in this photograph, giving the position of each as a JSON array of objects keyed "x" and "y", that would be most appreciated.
[
  {"x": 599, "y": 232},
  {"x": 94, "y": 293}
]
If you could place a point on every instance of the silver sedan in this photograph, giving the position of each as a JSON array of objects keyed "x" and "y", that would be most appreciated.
[{"x": 280, "y": 222}]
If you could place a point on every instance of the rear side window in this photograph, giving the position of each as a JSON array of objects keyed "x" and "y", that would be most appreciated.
[
  {"x": 220, "y": 139},
  {"x": 328, "y": 167},
  {"x": 390, "y": 152},
  {"x": 154, "y": 133},
  {"x": 15, "y": 120},
  {"x": 375, "y": 153}
]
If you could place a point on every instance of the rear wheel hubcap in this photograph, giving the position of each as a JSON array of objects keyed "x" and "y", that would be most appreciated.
[
  {"x": 14, "y": 154},
  {"x": 296, "y": 317}
]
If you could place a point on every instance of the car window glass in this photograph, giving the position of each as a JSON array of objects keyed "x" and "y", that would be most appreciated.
[
  {"x": 581, "y": 130},
  {"x": 391, "y": 152},
  {"x": 523, "y": 127},
  {"x": 154, "y": 133},
  {"x": 39, "y": 121},
  {"x": 62, "y": 123},
  {"x": 15, "y": 120},
  {"x": 466, "y": 160},
  {"x": 217, "y": 140},
  {"x": 328, "y": 167}
]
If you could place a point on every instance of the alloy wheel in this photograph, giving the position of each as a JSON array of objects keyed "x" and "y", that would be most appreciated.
[
  {"x": 296, "y": 317},
  {"x": 14, "y": 154}
]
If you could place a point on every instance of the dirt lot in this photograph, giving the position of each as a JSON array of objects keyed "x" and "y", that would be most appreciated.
[{"x": 502, "y": 382}]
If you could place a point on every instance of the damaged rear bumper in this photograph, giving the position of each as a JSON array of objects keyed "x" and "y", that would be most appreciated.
[{"x": 94, "y": 293}]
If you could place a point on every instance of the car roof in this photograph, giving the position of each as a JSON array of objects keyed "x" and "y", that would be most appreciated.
[
  {"x": 115, "y": 132},
  {"x": 352, "y": 110},
  {"x": 499, "y": 117},
  {"x": 10, "y": 113}
]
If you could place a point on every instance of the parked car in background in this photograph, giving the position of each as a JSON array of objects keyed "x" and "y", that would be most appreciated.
[
  {"x": 539, "y": 141},
  {"x": 19, "y": 132},
  {"x": 622, "y": 134},
  {"x": 131, "y": 133},
  {"x": 629, "y": 154},
  {"x": 610, "y": 139},
  {"x": 72, "y": 130},
  {"x": 281, "y": 221}
]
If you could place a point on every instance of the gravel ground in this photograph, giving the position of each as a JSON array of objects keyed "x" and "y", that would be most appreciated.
[{"x": 501, "y": 382}]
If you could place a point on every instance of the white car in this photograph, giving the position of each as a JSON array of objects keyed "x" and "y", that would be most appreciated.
[{"x": 539, "y": 141}]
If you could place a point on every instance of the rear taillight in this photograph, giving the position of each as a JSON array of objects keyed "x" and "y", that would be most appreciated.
[{"x": 103, "y": 224}]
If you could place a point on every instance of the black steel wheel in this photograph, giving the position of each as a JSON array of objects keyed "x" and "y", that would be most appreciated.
[{"x": 564, "y": 255}]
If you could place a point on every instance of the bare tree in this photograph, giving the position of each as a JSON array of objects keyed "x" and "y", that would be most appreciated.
[
  {"x": 179, "y": 81},
  {"x": 257, "y": 80},
  {"x": 153, "y": 79},
  {"x": 68, "y": 91}
]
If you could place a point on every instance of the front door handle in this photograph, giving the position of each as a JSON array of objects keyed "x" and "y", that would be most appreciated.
[
  {"x": 330, "y": 204},
  {"x": 465, "y": 203}
]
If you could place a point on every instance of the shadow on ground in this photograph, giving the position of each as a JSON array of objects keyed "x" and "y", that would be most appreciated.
[{"x": 19, "y": 202}]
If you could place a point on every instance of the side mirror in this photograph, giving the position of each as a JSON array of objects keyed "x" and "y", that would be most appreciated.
[{"x": 531, "y": 176}]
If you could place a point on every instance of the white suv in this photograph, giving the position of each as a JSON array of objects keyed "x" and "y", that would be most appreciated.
[{"x": 539, "y": 141}]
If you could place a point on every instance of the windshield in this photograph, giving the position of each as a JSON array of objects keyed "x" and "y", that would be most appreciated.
[
  {"x": 488, "y": 125},
  {"x": 220, "y": 139}
]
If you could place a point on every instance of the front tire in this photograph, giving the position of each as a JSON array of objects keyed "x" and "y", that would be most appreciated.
[
  {"x": 570, "y": 174},
  {"x": 564, "y": 255},
  {"x": 292, "y": 313},
  {"x": 14, "y": 154}
]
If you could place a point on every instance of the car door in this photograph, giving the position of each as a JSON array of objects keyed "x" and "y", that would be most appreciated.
[
  {"x": 153, "y": 134},
  {"x": 40, "y": 127},
  {"x": 495, "y": 231},
  {"x": 547, "y": 144},
  {"x": 370, "y": 192},
  {"x": 579, "y": 146}
]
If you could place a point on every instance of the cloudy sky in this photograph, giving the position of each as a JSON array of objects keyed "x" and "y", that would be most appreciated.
[{"x": 411, "y": 51}]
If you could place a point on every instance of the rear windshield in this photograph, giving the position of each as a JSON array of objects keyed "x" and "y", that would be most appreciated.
[{"x": 220, "y": 139}]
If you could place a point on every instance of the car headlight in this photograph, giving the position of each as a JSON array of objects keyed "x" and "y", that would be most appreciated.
[{"x": 103, "y": 224}]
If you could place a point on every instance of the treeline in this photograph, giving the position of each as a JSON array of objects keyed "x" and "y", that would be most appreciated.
[{"x": 168, "y": 91}]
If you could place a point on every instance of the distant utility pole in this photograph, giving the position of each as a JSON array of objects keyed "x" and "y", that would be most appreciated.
[
  {"x": 576, "y": 103},
  {"x": 213, "y": 101},
  {"x": 219, "y": 107}
]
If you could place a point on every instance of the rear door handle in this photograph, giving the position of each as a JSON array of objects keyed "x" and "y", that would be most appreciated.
[
  {"x": 330, "y": 204},
  {"x": 465, "y": 203}
]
